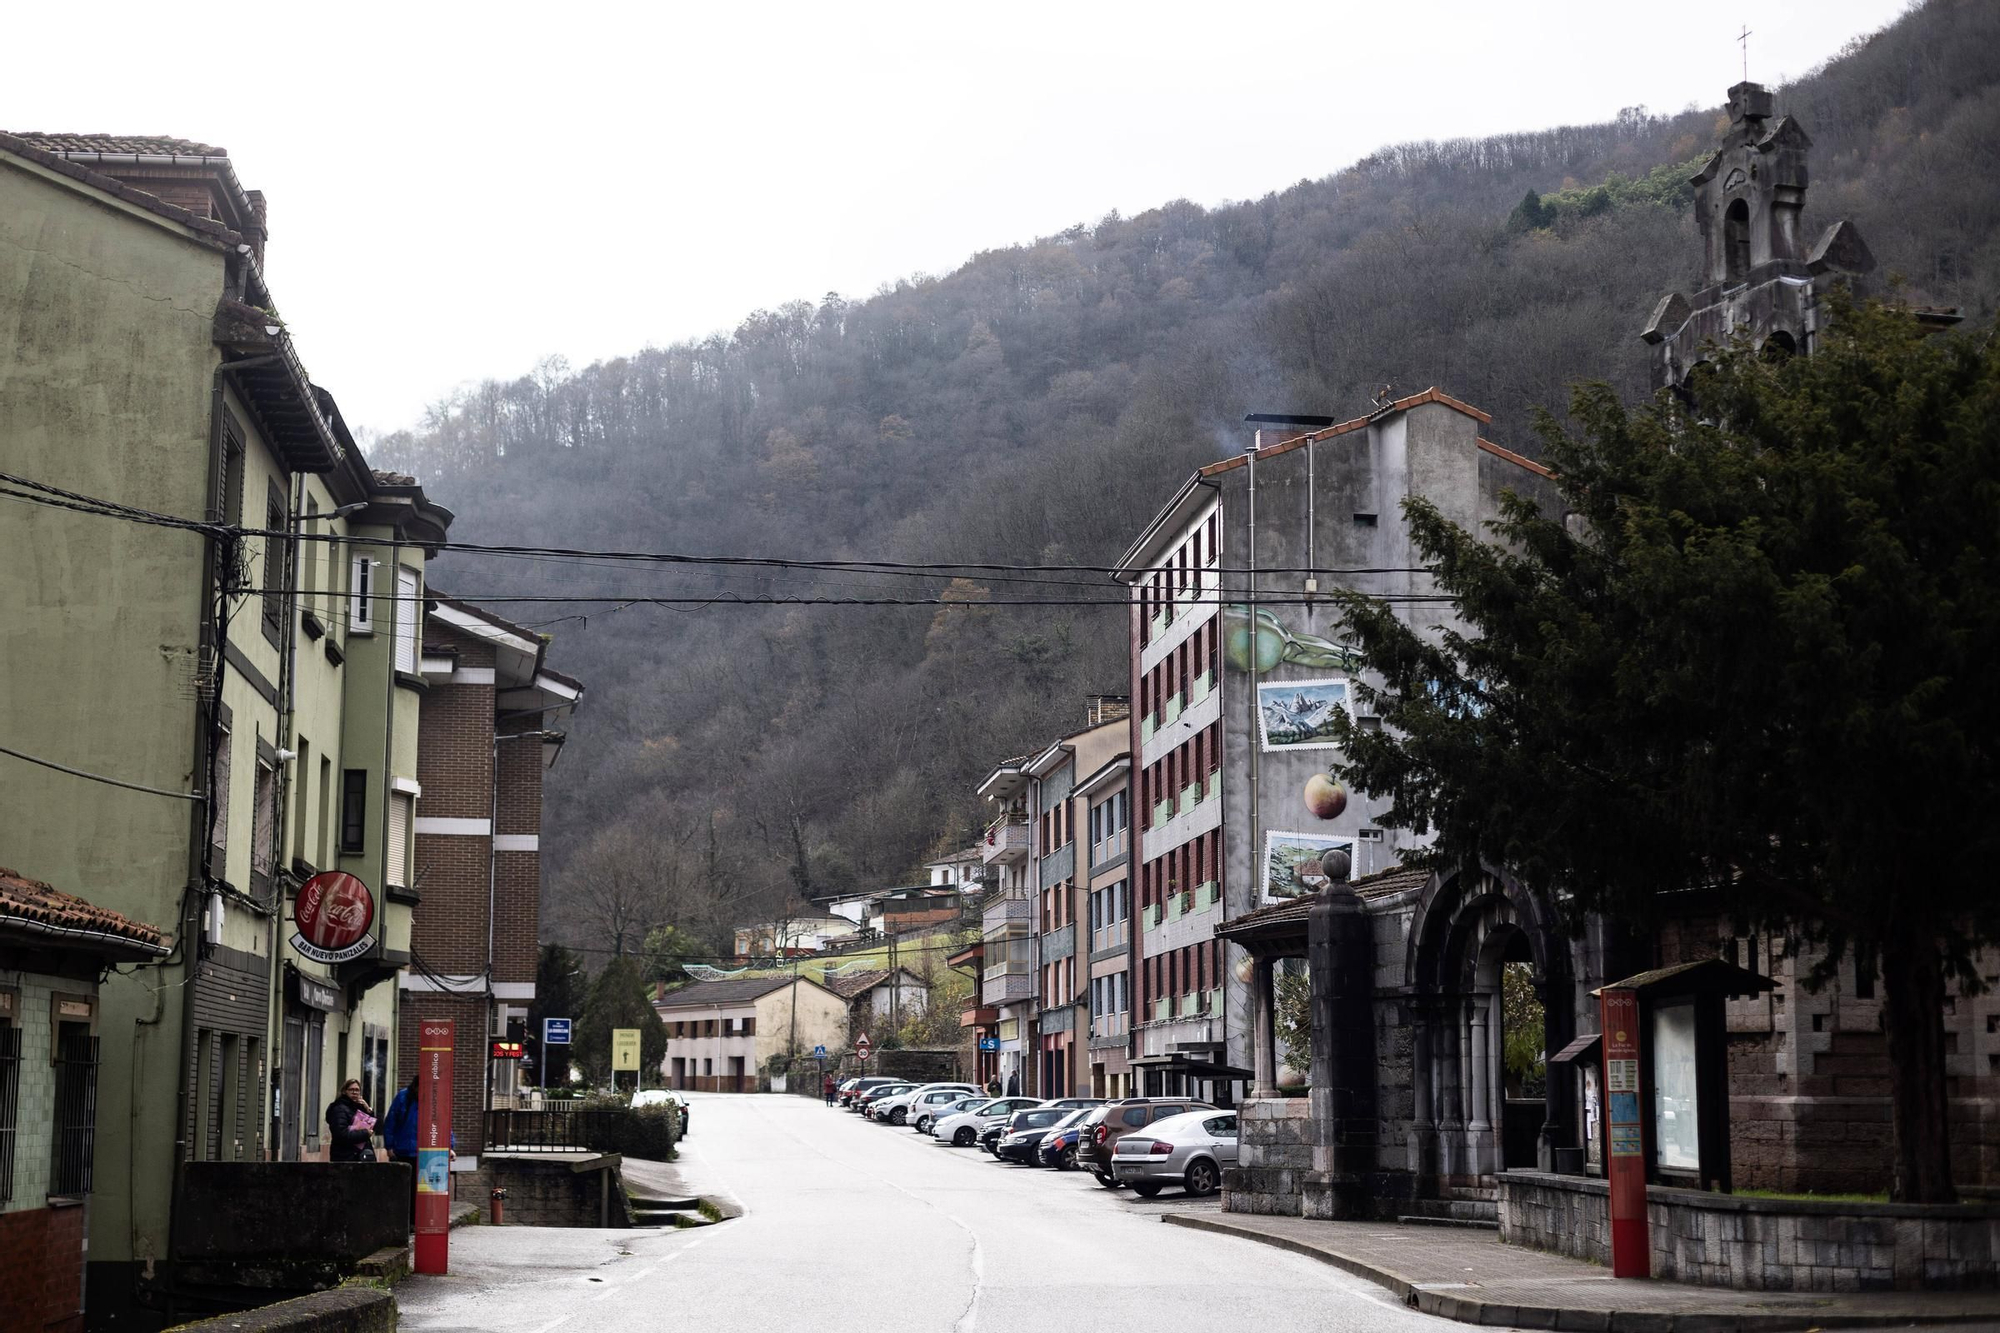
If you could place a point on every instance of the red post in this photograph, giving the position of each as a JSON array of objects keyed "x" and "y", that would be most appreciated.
[
  {"x": 434, "y": 1046},
  {"x": 1626, "y": 1147}
]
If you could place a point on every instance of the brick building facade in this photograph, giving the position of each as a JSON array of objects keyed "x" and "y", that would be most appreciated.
[{"x": 488, "y": 730}]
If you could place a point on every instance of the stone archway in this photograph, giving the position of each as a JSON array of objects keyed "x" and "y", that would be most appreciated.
[{"x": 1467, "y": 927}]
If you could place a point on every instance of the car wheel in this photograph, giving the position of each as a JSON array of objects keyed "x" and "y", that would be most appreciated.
[
  {"x": 923, "y": 1125},
  {"x": 1202, "y": 1179},
  {"x": 962, "y": 1139},
  {"x": 1108, "y": 1182},
  {"x": 1146, "y": 1191},
  {"x": 899, "y": 1116},
  {"x": 1067, "y": 1160}
]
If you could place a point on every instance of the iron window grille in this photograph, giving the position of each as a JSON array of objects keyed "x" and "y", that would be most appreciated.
[
  {"x": 10, "y": 1103},
  {"x": 76, "y": 1110}
]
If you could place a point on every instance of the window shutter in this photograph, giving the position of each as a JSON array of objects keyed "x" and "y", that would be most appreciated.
[
  {"x": 218, "y": 829},
  {"x": 399, "y": 838},
  {"x": 408, "y": 612}
]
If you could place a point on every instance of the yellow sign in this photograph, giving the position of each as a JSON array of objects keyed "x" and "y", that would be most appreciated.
[{"x": 624, "y": 1048}]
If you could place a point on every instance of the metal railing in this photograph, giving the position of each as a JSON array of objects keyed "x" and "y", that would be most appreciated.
[
  {"x": 549, "y": 1131},
  {"x": 75, "y": 1127},
  {"x": 10, "y": 1092}
]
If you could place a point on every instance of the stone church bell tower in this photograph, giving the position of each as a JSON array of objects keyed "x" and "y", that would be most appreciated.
[{"x": 1757, "y": 277}]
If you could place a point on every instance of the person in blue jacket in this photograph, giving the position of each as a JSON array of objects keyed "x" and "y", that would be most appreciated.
[{"x": 399, "y": 1136}]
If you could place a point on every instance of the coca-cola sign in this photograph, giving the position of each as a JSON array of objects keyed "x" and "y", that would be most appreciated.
[{"x": 333, "y": 913}]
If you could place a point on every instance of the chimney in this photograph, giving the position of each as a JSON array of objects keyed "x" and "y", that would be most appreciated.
[{"x": 1102, "y": 708}]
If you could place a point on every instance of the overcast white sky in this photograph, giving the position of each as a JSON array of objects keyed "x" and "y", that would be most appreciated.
[{"x": 459, "y": 190}]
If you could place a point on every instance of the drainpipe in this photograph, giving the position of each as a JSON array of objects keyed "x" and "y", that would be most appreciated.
[{"x": 1250, "y": 699}]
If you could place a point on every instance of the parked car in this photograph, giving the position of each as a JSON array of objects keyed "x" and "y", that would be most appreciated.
[
  {"x": 950, "y": 1109},
  {"x": 663, "y": 1097},
  {"x": 1025, "y": 1131},
  {"x": 992, "y": 1134},
  {"x": 963, "y": 1129},
  {"x": 925, "y": 1104},
  {"x": 896, "y": 1110},
  {"x": 1058, "y": 1148},
  {"x": 1187, "y": 1150},
  {"x": 865, "y": 1103},
  {"x": 854, "y": 1087},
  {"x": 1114, "y": 1120}
]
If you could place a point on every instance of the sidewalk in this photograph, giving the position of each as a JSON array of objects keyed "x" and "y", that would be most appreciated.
[{"x": 1468, "y": 1275}]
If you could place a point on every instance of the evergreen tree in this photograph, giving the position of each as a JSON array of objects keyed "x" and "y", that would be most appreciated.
[
  {"x": 557, "y": 995},
  {"x": 1755, "y": 659},
  {"x": 619, "y": 998}
]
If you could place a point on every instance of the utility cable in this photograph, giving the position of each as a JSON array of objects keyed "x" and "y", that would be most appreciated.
[{"x": 99, "y": 777}]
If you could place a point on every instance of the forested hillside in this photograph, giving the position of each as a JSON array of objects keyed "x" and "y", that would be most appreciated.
[{"x": 1036, "y": 406}]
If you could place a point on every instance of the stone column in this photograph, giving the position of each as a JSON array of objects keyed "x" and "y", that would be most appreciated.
[
  {"x": 1479, "y": 1055},
  {"x": 1263, "y": 1028}
]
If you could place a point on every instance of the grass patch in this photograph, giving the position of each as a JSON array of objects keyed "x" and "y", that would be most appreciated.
[
  {"x": 1810, "y": 1197},
  {"x": 708, "y": 1210}
]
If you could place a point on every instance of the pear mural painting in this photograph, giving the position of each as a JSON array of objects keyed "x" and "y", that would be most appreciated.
[{"x": 1325, "y": 795}]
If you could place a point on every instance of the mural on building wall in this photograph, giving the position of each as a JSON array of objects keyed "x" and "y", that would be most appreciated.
[
  {"x": 1299, "y": 714},
  {"x": 1325, "y": 796},
  {"x": 1291, "y": 863},
  {"x": 1274, "y": 644}
]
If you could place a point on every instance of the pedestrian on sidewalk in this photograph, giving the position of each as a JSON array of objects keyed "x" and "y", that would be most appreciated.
[
  {"x": 399, "y": 1136},
  {"x": 350, "y": 1125},
  {"x": 826, "y": 1088}
]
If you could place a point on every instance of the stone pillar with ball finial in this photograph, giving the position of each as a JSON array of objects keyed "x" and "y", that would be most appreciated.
[{"x": 1340, "y": 955}]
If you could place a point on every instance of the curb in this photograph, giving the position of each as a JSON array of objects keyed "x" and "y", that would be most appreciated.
[{"x": 1472, "y": 1310}]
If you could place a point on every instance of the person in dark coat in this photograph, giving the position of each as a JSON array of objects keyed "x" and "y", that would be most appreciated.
[
  {"x": 826, "y": 1088},
  {"x": 1014, "y": 1084},
  {"x": 349, "y": 1126}
]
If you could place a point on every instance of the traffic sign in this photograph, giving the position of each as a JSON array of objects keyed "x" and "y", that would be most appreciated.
[
  {"x": 555, "y": 1032},
  {"x": 624, "y": 1048},
  {"x": 862, "y": 1047},
  {"x": 819, "y": 1052}
]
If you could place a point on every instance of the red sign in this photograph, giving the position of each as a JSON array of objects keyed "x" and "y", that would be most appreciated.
[
  {"x": 333, "y": 913},
  {"x": 509, "y": 1050},
  {"x": 434, "y": 1048},
  {"x": 862, "y": 1047},
  {"x": 1625, "y": 1139}
]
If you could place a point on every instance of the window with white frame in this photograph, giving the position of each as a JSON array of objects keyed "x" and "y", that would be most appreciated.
[
  {"x": 409, "y": 610},
  {"x": 397, "y": 870},
  {"x": 361, "y": 596}
]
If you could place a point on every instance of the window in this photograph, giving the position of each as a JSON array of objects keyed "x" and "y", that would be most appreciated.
[
  {"x": 324, "y": 814},
  {"x": 353, "y": 811},
  {"x": 264, "y": 829},
  {"x": 397, "y": 869},
  {"x": 218, "y": 804},
  {"x": 302, "y": 835},
  {"x": 1736, "y": 241},
  {"x": 309, "y": 561},
  {"x": 10, "y": 1089},
  {"x": 232, "y": 470},
  {"x": 361, "y": 596},
  {"x": 274, "y": 560},
  {"x": 409, "y": 611},
  {"x": 75, "y": 1135}
]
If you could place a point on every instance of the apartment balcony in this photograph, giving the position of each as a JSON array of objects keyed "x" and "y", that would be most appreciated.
[
  {"x": 1007, "y": 841},
  {"x": 980, "y": 1016},
  {"x": 1008, "y": 915},
  {"x": 1004, "y": 982}
]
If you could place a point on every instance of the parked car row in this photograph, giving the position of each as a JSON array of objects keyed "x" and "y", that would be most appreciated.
[{"x": 1149, "y": 1143}]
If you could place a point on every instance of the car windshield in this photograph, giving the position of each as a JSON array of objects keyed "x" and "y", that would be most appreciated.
[
  {"x": 1038, "y": 1119},
  {"x": 972, "y": 1105},
  {"x": 1072, "y": 1119}
]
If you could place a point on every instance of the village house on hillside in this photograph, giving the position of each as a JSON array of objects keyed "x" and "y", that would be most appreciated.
[{"x": 720, "y": 1034}]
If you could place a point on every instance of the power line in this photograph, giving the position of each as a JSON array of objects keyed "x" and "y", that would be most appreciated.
[{"x": 99, "y": 777}]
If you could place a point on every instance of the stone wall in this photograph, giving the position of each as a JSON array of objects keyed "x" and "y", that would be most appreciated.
[
  {"x": 1274, "y": 1156},
  {"x": 548, "y": 1190},
  {"x": 344, "y": 1310},
  {"x": 1752, "y": 1244}
]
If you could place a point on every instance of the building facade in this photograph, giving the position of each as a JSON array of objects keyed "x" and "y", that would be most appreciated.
[
  {"x": 721, "y": 1033},
  {"x": 490, "y": 726},
  {"x": 271, "y": 576},
  {"x": 1104, "y": 924}
]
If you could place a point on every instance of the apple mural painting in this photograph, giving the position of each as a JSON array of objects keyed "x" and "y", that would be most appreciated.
[{"x": 1325, "y": 797}]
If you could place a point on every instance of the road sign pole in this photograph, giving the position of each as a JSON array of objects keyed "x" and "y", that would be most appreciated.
[{"x": 433, "y": 1219}]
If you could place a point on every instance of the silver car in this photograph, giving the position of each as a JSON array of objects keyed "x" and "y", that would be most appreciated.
[
  {"x": 1187, "y": 1150},
  {"x": 898, "y": 1109},
  {"x": 963, "y": 1130}
]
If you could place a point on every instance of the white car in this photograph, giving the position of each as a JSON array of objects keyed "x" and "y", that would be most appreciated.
[
  {"x": 918, "y": 1105},
  {"x": 963, "y": 1130},
  {"x": 950, "y": 1109},
  {"x": 663, "y": 1097}
]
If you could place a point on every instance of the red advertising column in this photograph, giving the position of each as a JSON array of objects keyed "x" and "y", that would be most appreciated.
[
  {"x": 1625, "y": 1160},
  {"x": 434, "y": 1146}
]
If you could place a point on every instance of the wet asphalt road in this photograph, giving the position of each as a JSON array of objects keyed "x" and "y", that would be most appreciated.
[{"x": 854, "y": 1226}]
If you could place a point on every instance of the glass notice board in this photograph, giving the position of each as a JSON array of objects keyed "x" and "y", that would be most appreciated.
[{"x": 1676, "y": 1130}]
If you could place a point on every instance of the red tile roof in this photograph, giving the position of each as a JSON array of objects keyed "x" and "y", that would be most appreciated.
[
  {"x": 211, "y": 231},
  {"x": 24, "y": 899},
  {"x": 151, "y": 145},
  {"x": 1431, "y": 395}
]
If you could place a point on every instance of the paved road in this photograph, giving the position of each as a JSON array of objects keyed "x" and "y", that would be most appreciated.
[{"x": 854, "y": 1226}]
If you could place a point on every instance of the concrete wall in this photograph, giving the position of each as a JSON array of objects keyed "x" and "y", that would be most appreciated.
[
  {"x": 346, "y": 1310},
  {"x": 1764, "y": 1244}
]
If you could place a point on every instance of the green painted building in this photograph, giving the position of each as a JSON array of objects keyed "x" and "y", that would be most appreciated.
[{"x": 255, "y": 693}]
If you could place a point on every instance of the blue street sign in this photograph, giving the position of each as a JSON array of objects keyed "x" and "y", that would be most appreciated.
[
  {"x": 555, "y": 1032},
  {"x": 819, "y": 1052},
  {"x": 989, "y": 1043}
]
